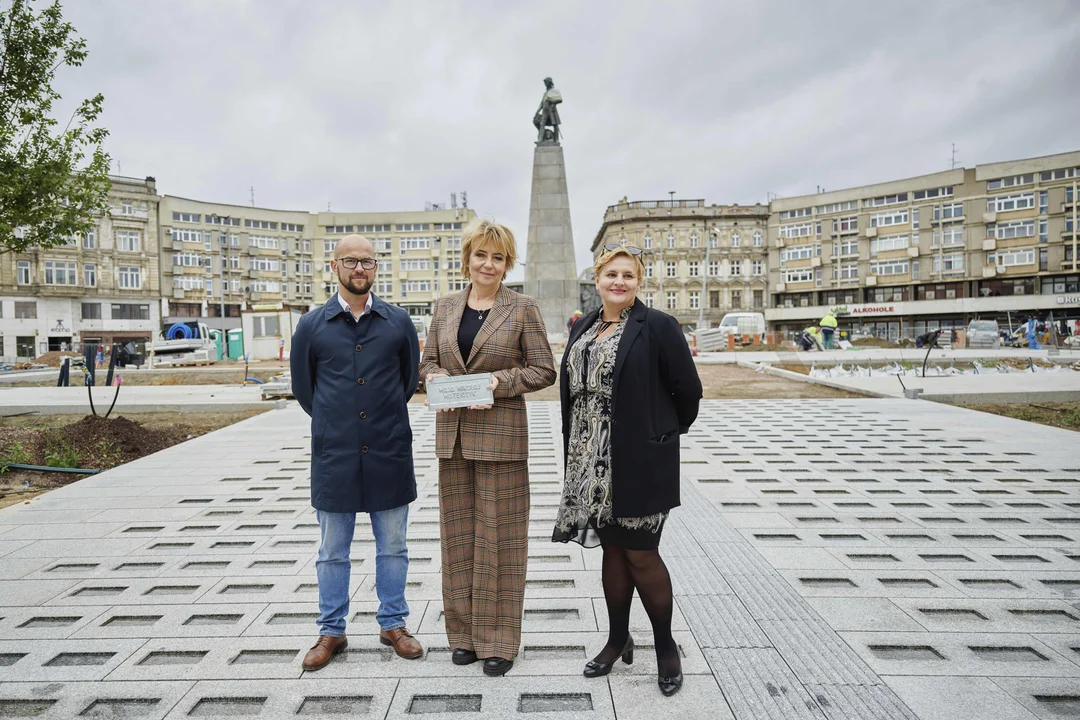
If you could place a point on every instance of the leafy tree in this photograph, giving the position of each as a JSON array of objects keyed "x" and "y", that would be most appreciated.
[{"x": 49, "y": 189}]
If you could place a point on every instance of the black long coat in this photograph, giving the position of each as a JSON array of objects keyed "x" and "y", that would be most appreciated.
[
  {"x": 355, "y": 378},
  {"x": 655, "y": 397}
]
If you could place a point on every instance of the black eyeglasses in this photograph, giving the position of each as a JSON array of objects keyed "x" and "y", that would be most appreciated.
[
  {"x": 628, "y": 248},
  {"x": 350, "y": 263}
]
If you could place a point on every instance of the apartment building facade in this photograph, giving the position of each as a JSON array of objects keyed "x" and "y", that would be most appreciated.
[
  {"x": 419, "y": 253},
  {"x": 895, "y": 259},
  {"x": 701, "y": 261},
  {"x": 100, "y": 287}
]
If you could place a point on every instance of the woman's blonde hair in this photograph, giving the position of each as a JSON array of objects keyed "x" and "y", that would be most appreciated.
[
  {"x": 609, "y": 255},
  {"x": 486, "y": 233}
]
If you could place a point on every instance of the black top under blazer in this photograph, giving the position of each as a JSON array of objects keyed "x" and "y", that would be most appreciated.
[{"x": 655, "y": 396}]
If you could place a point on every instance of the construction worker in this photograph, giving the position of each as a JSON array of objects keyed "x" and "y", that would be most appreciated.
[{"x": 828, "y": 327}]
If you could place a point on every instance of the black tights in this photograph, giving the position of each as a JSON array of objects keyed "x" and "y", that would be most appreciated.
[{"x": 623, "y": 570}]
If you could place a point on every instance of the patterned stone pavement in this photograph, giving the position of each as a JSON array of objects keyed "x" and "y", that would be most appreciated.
[{"x": 832, "y": 559}]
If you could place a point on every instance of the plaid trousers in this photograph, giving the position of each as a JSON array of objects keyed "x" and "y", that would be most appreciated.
[{"x": 484, "y": 528}]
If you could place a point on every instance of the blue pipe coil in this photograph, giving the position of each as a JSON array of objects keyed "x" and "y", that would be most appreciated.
[{"x": 177, "y": 331}]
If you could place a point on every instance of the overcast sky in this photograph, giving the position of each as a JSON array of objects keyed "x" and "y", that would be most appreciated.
[{"x": 383, "y": 106}]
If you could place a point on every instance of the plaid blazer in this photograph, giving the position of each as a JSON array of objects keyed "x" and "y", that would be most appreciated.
[{"x": 512, "y": 344}]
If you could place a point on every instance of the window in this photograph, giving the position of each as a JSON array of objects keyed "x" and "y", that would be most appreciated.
[
  {"x": 417, "y": 286},
  {"x": 130, "y": 311},
  {"x": 338, "y": 229},
  {"x": 23, "y": 272},
  {"x": 846, "y": 224},
  {"x": 130, "y": 278},
  {"x": 304, "y": 267},
  {"x": 671, "y": 242},
  {"x": 91, "y": 311},
  {"x": 648, "y": 270},
  {"x": 234, "y": 286},
  {"x": 950, "y": 263},
  {"x": 1044, "y": 235},
  {"x": 714, "y": 299},
  {"x": 265, "y": 242},
  {"x": 672, "y": 300},
  {"x": 948, "y": 212},
  {"x": 915, "y": 220},
  {"x": 214, "y": 220},
  {"x": 292, "y": 227},
  {"x": 799, "y": 252},
  {"x": 837, "y": 207},
  {"x": 234, "y": 262},
  {"x": 1007, "y": 182},
  {"x": 89, "y": 240},
  {"x": 882, "y": 295},
  {"x": 671, "y": 269},
  {"x": 89, "y": 274},
  {"x": 415, "y": 264},
  {"x": 648, "y": 242},
  {"x": 1014, "y": 229},
  {"x": 845, "y": 271},
  {"x": 186, "y": 235},
  {"x": 414, "y": 227},
  {"x": 1063, "y": 174},
  {"x": 1061, "y": 284},
  {"x": 265, "y": 326},
  {"x": 758, "y": 267},
  {"x": 693, "y": 268},
  {"x": 890, "y": 217},
  {"x": 695, "y": 299},
  {"x": 714, "y": 242},
  {"x": 846, "y": 247},
  {"x": 265, "y": 286},
  {"x": 1012, "y": 258},
  {"x": 949, "y": 234},
  {"x": 736, "y": 267},
  {"x": 885, "y": 200},
  {"x": 128, "y": 240},
  {"x": 187, "y": 259},
  {"x": 759, "y": 299},
  {"x": 414, "y": 244},
  {"x": 328, "y": 246},
  {"x": 796, "y": 231},
  {"x": 188, "y": 282},
  {"x": 798, "y": 276},
  {"x": 757, "y": 238},
  {"x": 890, "y": 267},
  {"x": 886, "y": 243},
  {"x": 384, "y": 287},
  {"x": 693, "y": 240},
  {"x": 61, "y": 273},
  {"x": 1044, "y": 202},
  {"x": 1008, "y": 203},
  {"x": 714, "y": 268},
  {"x": 261, "y": 224},
  {"x": 735, "y": 241},
  {"x": 386, "y": 245},
  {"x": 736, "y": 298},
  {"x": 792, "y": 214},
  {"x": 26, "y": 310},
  {"x": 265, "y": 264},
  {"x": 649, "y": 299},
  {"x": 438, "y": 226},
  {"x": 186, "y": 217},
  {"x": 931, "y": 194},
  {"x": 941, "y": 291},
  {"x": 209, "y": 288}
]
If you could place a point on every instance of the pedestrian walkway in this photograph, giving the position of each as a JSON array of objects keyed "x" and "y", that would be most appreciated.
[{"x": 832, "y": 559}]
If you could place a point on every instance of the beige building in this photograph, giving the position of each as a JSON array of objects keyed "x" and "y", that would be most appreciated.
[
  {"x": 102, "y": 287},
  {"x": 419, "y": 253},
  {"x": 701, "y": 261},
  {"x": 899, "y": 258}
]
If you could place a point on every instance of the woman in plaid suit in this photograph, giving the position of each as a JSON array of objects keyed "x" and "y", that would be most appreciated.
[{"x": 483, "y": 450}]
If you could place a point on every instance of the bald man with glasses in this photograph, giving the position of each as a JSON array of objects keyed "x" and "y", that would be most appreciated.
[{"x": 355, "y": 364}]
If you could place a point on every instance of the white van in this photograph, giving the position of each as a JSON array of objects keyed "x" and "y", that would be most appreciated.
[{"x": 745, "y": 325}]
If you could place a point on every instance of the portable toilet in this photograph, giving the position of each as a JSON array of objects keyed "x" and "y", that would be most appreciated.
[
  {"x": 216, "y": 336},
  {"x": 236, "y": 344}
]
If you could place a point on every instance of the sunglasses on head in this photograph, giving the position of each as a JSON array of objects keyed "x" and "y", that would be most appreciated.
[{"x": 628, "y": 248}]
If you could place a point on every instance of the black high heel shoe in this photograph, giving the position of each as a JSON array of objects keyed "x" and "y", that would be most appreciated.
[
  {"x": 595, "y": 669},
  {"x": 670, "y": 685}
]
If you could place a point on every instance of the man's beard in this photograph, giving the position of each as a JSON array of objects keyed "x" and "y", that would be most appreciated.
[{"x": 359, "y": 286}]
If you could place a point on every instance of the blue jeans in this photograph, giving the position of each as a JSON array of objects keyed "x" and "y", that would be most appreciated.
[
  {"x": 333, "y": 566},
  {"x": 827, "y": 332}
]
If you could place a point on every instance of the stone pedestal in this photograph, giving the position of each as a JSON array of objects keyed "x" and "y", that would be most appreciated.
[{"x": 550, "y": 266}]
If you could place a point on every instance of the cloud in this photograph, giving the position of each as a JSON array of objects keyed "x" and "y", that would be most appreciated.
[{"x": 383, "y": 106}]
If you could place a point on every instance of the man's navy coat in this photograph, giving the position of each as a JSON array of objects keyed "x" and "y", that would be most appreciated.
[{"x": 355, "y": 378}]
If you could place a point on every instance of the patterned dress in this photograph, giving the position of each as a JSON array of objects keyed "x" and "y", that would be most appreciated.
[{"x": 587, "y": 490}]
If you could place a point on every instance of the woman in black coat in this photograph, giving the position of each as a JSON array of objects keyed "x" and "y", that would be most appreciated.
[{"x": 629, "y": 388}]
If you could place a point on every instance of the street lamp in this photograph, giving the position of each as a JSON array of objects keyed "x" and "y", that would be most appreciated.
[{"x": 224, "y": 257}]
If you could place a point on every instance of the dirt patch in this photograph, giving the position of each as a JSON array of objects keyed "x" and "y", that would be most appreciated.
[
  {"x": 765, "y": 347},
  {"x": 731, "y": 382},
  {"x": 1062, "y": 415},
  {"x": 90, "y": 442},
  {"x": 53, "y": 357}
]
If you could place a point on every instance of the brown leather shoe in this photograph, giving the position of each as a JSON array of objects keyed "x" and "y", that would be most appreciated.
[
  {"x": 404, "y": 644},
  {"x": 323, "y": 651}
]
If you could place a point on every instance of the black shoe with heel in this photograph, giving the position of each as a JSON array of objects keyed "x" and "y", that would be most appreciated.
[
  {"x": 670, "y": 685},
  {"x": 496, "y": 666},
  {"x": 595, "y": 669},
  {"x": 460, "y": 656}
]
